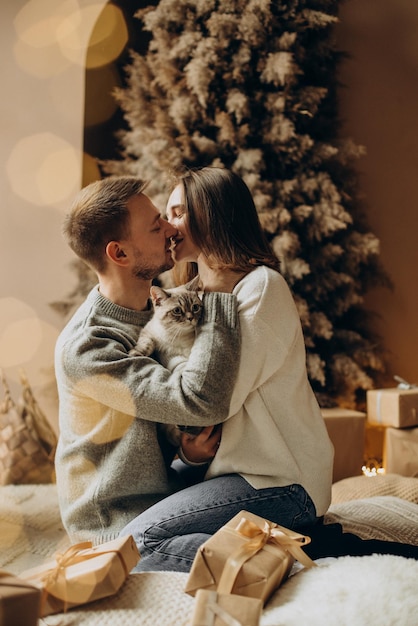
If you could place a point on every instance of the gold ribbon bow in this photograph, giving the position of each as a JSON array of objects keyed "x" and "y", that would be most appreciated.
[
  {"x": 56, "y": 575},
  {"x": 54, "y": 580},
  {"x": 259, "y": 537}
]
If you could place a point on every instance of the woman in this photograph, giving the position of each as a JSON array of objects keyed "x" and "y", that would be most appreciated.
[
  {"x": 275, "y": 435},
  {"x": 275, "y": 457}
]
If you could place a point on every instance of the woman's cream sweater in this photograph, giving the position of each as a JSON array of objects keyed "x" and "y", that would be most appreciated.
[{"x": 275, "y": 435}]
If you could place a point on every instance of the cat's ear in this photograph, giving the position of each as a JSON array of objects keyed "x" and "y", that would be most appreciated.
[
  {"x": 158, "y": 294},
  {"x": 195, "y": 284}
]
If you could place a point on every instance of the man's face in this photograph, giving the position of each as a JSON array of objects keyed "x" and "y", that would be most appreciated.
[{"x": 148, "y": 242}]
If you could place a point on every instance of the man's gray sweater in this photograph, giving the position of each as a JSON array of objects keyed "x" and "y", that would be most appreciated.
[{"x": 109, "y": 464}]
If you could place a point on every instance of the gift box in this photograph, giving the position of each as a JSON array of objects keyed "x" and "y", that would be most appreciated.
[
  {"x": 249, "y": 556},
  {"x": 393, "y": 407},
  {"x": 19, "y": 601},
  {"x": 83, "y": 574},
  {"x": 401, "y": 451},
  {"x": 216, "y": 609},
  {"x": 346, "y": 429}
]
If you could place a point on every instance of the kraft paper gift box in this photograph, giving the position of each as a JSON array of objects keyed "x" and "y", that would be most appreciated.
[
  {"x": 19, "y": 601},
  {"x": 83, "y": 574},
  {"x": 401, "y": 451},
  {"x": 216, "y": 609},
  {"x": 393, "y": 407},
  {"x": 346, "y": 429},
  {"x": 249, "y": 556}
]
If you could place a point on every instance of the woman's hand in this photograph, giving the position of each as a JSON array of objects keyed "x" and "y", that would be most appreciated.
[{"x": 203, "y": 447}]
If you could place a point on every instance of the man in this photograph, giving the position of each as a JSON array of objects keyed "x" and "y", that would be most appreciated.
[{"x": 109, "y": 464}]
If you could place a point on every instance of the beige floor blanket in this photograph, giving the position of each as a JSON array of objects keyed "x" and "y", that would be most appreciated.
[{"x": 355, "y": 591}]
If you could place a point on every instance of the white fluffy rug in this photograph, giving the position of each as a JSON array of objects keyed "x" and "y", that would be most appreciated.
[{"x": 348, "y": 591}]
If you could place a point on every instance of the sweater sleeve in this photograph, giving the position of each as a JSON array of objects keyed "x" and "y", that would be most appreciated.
[{"x": 94, "y": 359}]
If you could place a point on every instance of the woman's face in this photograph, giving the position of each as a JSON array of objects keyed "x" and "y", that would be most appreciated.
[{"x": 185, "y": 249}]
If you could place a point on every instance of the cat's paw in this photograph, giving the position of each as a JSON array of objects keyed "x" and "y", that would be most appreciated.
[
  {"x": 143, "y": 347},
  {"x": 136, "y": 352}
]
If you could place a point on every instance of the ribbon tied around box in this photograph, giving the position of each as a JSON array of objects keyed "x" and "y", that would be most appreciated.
[
  {"x": 83, "y": 573},
  {"x": 258, "y": 537}
]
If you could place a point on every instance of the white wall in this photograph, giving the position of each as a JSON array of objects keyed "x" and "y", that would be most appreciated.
[{"x": 43, "y": 46}]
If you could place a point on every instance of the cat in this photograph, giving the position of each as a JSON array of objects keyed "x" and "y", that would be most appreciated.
[
  {"x": 171, "y": 331},
  {"x": 170, "y": 335}
]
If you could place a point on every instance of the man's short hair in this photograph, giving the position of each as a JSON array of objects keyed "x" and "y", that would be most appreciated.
[{"x": 98, "y": 215}]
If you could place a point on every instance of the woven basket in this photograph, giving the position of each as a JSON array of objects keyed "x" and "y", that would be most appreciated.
[{"x": 27, "y": 441}]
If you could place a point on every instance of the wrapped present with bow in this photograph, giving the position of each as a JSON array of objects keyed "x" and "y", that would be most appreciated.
[
  {"x": 19, "y": 601},
  {"x": 217, "y": 609},
  {"x": 249, "y": 556},
  {"x": 83, "y": 573}
]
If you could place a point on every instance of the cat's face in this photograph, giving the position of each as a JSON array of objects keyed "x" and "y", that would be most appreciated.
[{"x": 178, "y": 307}]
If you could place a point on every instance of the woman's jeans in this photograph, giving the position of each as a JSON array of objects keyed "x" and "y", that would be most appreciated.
[{"x": 169, "y": 533}]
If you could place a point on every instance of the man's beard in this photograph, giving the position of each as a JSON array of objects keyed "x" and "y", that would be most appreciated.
[{"x": 144, "y": 272}]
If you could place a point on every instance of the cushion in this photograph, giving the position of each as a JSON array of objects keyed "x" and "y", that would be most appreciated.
[
  {"x": 358, "y": 487},
  {"x": 382, "y": 517}
]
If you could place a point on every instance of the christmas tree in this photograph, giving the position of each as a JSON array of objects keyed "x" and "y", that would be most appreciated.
[{"x": 252, "y": 85}]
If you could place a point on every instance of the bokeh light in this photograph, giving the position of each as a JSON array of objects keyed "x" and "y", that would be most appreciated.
[
  {"x": 20, "y": 334},
  {"x": 44, "y": 169},
  {"x": 51, "y": 35},
  {"x": 37, "y": 48},
  {"x": 38, "y": 20},
  {"x": 105, "y": 43}
]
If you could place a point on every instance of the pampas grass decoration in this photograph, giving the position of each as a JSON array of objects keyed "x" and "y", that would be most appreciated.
[{"x": 251, "y": 85}]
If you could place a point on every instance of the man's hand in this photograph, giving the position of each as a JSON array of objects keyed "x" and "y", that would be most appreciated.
[{"x": 203, "y": 447}]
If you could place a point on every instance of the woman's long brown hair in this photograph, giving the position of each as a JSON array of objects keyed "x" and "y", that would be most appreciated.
[{"x": 222, "y": 221}]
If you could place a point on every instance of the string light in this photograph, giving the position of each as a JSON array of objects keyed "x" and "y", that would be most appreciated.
[{"x": 372, "y": 468}]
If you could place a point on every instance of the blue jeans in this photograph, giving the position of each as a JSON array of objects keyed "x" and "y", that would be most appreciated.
[{"x": 169, "y": 533}]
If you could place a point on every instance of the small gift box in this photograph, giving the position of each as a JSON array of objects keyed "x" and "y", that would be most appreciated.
[
  {"x": 83, "y": 574},
  {"x": 249, "y": 556},
  {"x": 401, "y": 451},
  {"x": 394, "y": 407},
  {"x": 346, "y": 429},
  {"x": 216, "y": 609},
  {"x": 19, "y": 601}
]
